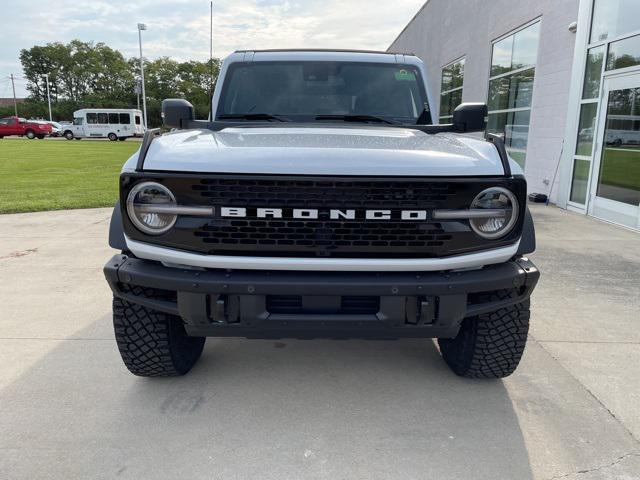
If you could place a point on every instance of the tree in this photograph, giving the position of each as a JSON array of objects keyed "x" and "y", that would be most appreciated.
[{"x": 84, "y": 74}]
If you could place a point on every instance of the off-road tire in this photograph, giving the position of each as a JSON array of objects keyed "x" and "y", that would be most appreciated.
[
  {"x": 489, "y": 345},
  {"x": 152, "y": 343}
]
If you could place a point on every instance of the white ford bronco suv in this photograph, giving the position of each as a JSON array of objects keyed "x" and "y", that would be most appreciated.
[{"x": 320, "y": 201}]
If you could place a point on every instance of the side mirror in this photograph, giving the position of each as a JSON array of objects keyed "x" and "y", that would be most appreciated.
[
  {"x": 470, "y": 117},
  {"x": 177, "y": 113}
]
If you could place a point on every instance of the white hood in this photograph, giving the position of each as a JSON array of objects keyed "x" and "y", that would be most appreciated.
[{"x": 356, "y": 151}]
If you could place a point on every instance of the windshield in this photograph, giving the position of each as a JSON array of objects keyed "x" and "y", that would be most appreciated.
[{"x": 302, "y": 91}]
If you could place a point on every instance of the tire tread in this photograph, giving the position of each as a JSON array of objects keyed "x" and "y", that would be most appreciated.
[
  {"x": 152, "y": 343},
  {"x": 489, "y": 345}
]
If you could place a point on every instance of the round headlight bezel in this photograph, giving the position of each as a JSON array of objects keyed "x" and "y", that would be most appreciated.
[
  {"x": 133, "y": 214},
  {"x": 510, "y": 224}
]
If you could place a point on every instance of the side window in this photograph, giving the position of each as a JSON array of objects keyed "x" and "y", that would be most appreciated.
[
  {"x": 125, "y": 118},
  {"x": 4, "y": 121},
  {"x": 451, "y": 89},
  {"x": 92, "y": 118},
  {"x": 137, "y": 119},
  {"x": 103, "y": 118},
  {"x": 113, "y": 118}
]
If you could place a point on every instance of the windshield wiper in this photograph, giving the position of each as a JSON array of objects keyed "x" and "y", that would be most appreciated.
[
  {"x": 253, "y": 116},
  {"x": 356, "y": 118}
]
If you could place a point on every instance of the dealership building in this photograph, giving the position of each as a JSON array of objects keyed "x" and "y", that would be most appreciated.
[{"x": 561, "y": 79}]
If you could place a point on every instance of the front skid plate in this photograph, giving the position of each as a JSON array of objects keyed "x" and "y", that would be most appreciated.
[{"x": 234, "y": 303}]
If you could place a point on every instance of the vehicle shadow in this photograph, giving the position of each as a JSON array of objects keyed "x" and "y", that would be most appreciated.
[{"x": 259, "y": 409}]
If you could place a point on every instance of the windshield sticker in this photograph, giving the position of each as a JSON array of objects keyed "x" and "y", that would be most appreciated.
[{"x": 405, "y": 76}]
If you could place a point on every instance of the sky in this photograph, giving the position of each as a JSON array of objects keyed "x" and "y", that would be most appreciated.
[{"x": 180, "y": 28}]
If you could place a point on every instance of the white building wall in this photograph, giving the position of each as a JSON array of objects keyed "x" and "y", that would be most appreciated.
[{"x": 445, "y": 30}]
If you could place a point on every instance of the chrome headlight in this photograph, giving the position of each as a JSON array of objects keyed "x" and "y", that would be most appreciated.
[
  {"x": 501, "y": 214},
  {"x": 145, "y": 208}
]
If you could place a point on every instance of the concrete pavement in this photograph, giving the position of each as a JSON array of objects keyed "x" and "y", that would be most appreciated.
[{"x": 317, "y": 409}]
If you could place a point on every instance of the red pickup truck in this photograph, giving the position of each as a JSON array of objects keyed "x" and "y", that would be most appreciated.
[{"x": 21, "y": 127}]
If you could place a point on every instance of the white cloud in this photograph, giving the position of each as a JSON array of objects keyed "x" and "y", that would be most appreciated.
[{"x": 180, "y": 28}]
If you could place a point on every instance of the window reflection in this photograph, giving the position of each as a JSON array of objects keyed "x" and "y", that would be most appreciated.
[
  {"x": 586, "y": 129},
  {"x": 511, "y": 89},
  {"x": 451, "y": 89},
  {"x": 593, "y": 74},
  {"x": 612, "y": 18},
  {"x": 525, "y": 47},
  {"x": 580, "y": 181},
  {"x": 624, "y": 53},
  {"x": 620, "y": 167},
  {"x": 502, "y": 53},
  {"x": 515, "y": 127}
]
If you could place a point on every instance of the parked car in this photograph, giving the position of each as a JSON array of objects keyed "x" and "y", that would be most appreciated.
[
  {"x": 23, "y": 128},
  {"x": 56, "y": 128},
  {"x": 112, "y": 123},
  {"x": 321, "y": 202}
]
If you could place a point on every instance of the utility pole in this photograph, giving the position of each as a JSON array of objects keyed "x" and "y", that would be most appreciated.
[
  {"x": 46, "y": 75},
  {"x": 142, "y": 26},
  {"x": 15, "y": 103}
]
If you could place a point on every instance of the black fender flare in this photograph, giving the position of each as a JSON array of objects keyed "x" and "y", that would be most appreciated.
[
  {"x": 116, "y": 230},
  {"x": 528, "y": 239}
]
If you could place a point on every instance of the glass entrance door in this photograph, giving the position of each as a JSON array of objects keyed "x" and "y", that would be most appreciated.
[{"x": 616, "y": 179}]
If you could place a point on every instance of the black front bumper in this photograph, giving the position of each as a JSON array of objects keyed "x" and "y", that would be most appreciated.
[{"x": 257, "y": 304}]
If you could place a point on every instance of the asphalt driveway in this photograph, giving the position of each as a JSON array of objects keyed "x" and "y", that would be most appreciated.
[{"x": 317, "y": 409}]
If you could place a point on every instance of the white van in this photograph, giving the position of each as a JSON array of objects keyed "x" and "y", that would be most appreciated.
[{"x": 112, "y": 123}]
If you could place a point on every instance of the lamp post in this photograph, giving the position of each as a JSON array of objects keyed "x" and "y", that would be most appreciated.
[
  {"x": 46, "y": 76},
  {"x": 137, "y": 89},
  {"x": 141, "y": 27}
]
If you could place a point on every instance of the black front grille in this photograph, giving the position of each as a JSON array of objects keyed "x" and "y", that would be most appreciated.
[
  {"x": 324, "y": 237},
  {"x": 322, "y": 234},
  {"x": 327, "y": 194}
]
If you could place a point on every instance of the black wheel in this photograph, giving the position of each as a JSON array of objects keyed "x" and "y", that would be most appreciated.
[
  {"x": 40, "y": 137},
  {"x": 68, "y": 135},
  {"x": 122, "y": 139},
  {"x": 617, "y": 142},
  {"x": 152, "y": 343},
  {"x": 489, "y": 345},
  {"x": 113, "y": 137},
  {"x": 77, "y": 138},
  {"x": 31, "y": 134}
]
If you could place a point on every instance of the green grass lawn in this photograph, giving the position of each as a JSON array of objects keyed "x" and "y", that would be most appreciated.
[
  {"x": 40, "y": 175},
  {"x": 621, "y": 168}
]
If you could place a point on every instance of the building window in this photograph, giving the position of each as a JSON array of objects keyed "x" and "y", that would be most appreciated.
[
  {"x": 624, "y": 53},
  {"x": 451, "y": 89},
  {"x": 612, "y": 18},
  {"x": 513, "y": 65}
]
